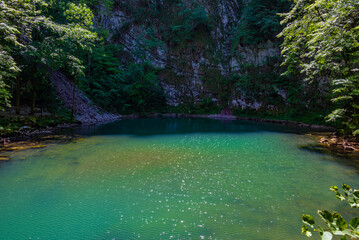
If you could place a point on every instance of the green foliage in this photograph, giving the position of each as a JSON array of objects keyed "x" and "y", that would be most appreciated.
[
  {"x": 145, "y": 43},
  {"x": 108, "y": 4},
  {"x": 35, "y": 42},
  {"x": 8, "y": 71},
  {"x": 40, "y": 36},
  {"x": 126, "y": 89},
  {"x": 265, "y": 83},
  {"x": 8, "y": 39},
  {"x": 281, "y": 96},
  {"x": 177, "y": 22},
  {"x": 335, "y": 222},
  {"x": 187, "y": 22},
  {"x": 142, "y": 88},
  {"x": 321, "y": 40},
  {"x": 79, "y": 14},
  {"x": 205, "y": 106},
  {"x": 220, "y": 86},
  {"x": 259, "y": 22},
  {"x": 262, "y": 83}
]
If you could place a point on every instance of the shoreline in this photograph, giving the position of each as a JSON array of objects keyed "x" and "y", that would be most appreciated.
[
  {"x": 325, "y": 135},
  {"x": 31, "y": 134},
  {"x": 24, "y": 135},
  {"x": 232, "y": 117}
]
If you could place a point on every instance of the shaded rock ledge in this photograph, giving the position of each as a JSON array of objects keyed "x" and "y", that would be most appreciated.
[{"x": 347, "y": 144}]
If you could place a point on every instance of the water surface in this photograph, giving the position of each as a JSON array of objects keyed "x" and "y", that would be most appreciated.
[{"x": 170, "y": 179}]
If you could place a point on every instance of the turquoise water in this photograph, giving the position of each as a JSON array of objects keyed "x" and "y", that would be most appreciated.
[{"x": 170, "y": 179}]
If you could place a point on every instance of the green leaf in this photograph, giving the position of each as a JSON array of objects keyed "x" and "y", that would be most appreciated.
[
  {"x": 346, "y": 187},
  {"x": 339, "y": 222},
  {"x": 343, "y": 238},
  {"x": 308, "y": 219},
  {"x": 326, "y": 216},
  {"x": 339, "y": 196},
  {"x": 353, "y": 203},
  {"x": 356, "y": 132},
  {"x": 354, "y": 223},
  {"x": 305, "y": 231}
]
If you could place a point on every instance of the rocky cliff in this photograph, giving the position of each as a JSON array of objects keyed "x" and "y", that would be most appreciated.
[{"x": 194, "y": 44}]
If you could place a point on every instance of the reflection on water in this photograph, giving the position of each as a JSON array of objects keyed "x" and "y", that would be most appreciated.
[
  {"x": 170, "y": 178},
  {"x": 143, "y": 127},
  {"x": 344, "y": 157}
]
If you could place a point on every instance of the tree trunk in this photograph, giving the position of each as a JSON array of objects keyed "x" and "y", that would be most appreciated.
[
  {"x": 89, "y": 65},
  {"x": 33, "y": 104},
  {"x": 17, "y": 97},
  {"x": 34, "y": 86},
  {"x": 73, "y": 100}
]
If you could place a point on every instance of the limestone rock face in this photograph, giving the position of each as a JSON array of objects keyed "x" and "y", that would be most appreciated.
[{"x": 186, "y": 62}]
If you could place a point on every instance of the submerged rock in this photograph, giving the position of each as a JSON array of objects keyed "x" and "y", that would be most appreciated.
[
  {"x": 4, "y": 158},
  {"x": 19, "y": 146}
]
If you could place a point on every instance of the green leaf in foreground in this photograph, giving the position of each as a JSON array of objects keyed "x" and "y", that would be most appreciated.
[
  {"x": 354, "y": 223},
  {"x": 336, "y": 224},
  {"x": 309, "y": 220},
  {"x": 327, "y": 236},
  {"x": 305, "y": 231}
]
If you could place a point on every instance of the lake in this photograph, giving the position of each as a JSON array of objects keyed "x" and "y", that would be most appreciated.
[{"x": 171, "y": 179}]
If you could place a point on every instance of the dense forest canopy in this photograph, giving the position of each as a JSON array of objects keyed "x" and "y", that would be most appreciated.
[
  {"x": 222, "y": 46},
  {"x": 321, "y": 40},
  {"x": 34, "y": 42}
]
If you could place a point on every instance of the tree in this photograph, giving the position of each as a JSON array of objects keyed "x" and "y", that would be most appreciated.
[
  {"x": 8, "y": 39},
  {"x": 321, "y": 40},
  {"x": 40, "y": 43},
  {"x": 8, "y": 70}
]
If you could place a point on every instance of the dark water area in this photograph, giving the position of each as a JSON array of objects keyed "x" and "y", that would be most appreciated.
[{"x": 143, "y": 127}]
